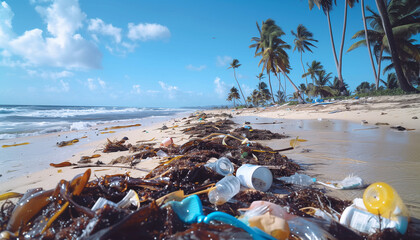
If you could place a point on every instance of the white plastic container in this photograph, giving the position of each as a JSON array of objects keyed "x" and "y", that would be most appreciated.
[
  {"x": 357, "y": 217},
  {"x": 254, "y": 176},
  {"x": 222, "y": 166},
  {"x": 226, "y": 188}
]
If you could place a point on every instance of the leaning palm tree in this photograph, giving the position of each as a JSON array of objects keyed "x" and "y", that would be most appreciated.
[
  {"x": 233, "y": 94},
  {"x": 404, "y": 84},
  {"x": 303, "y": 39},
  {"x": 235, "y": 64},
  {"x": 313, "y": 70},
  {"x": 362, "y": 3},
  {"x": 404, "y": 25}
]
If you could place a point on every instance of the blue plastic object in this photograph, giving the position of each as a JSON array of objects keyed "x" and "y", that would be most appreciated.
[{"x": 190, "y": 210}]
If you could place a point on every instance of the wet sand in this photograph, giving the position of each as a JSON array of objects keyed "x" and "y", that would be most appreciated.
[{"x": 336, "y": 149}]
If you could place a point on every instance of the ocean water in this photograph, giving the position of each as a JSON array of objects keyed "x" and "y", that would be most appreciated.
[{"x": 22, "y": 121}]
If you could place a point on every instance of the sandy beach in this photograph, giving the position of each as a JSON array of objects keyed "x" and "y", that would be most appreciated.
[{"x": 344, "y": 137}]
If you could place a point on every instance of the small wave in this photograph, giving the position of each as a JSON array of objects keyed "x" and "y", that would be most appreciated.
[{"x": 80, "y": 126}]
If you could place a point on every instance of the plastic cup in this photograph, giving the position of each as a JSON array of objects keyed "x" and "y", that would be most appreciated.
[{"x": 254, "y": 176}]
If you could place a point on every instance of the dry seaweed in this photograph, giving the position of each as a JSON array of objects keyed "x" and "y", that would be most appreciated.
[
  {"x": 116, "y": 146},
  {"x": 202, "y": 129}
]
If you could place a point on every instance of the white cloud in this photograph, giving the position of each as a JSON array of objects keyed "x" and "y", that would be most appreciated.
[
  {"x": 93, "y": 83},
  {"x": 171, "y": 91},
  {"x": 222, "y": 61},
  {"x": 136, "y": 89},
  {"x": 194, "y": 68},
  {"x": 147, "y": 31},
  {"x": 63, "y": 87},
  {"x": 66, "y": 48},
  {"x": 6, "y": 16},
  {"x": 221, "y": 88},
  {"x": 50, "y": 75},
  {"x": 100, "y": 27}
]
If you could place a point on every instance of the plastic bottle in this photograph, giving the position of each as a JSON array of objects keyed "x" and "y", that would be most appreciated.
[
  {"x": 299, "y": 179},
  {"x": 222, "y": 166},
  {"x": 226, "y": 188},
  {"x": 359, "y": 218},
  {"x": 307, "y": 230},
  {"x": 381, "y": 199}
]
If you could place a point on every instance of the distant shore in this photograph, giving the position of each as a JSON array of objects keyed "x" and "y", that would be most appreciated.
[{"x": 368, "y": 113}]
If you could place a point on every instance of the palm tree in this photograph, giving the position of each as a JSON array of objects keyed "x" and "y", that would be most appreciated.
[
  {"x": 404, "y": 84},
  {"x": 265, "y": 93},
  {"x": 404, "y": 25},
  {"x": 303, "y": 39},
  {"x": 365, "y": 87},
  {"x": 260, "y": 76},
  {"x": 235, "y": 64},
  {"x": 233, "y": 94},
  {"x": 264, "y": 47},
  {"x": 326, "y": 6},
  {"x": 392, "y": 82},
  {"x": 336, "y": 85},
  {"x": 281, "y": 96},
  {"x": 303, "y": 89},
  {"x": 321, "y": 87},
  {"x": 313, "y": 70}
]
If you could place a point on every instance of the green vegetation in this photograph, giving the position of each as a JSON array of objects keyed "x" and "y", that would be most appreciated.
[{"x": 391, "y": 38}]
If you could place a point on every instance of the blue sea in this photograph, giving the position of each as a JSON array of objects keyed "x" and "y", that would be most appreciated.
[{"x": 24, "y": 120}]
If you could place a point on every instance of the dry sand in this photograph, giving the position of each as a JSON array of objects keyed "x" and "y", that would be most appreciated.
[{"x": 396, "y": 111}]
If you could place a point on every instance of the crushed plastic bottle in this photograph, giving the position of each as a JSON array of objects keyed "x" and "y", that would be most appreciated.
[
  {"x": 299, "y": 179},
  {"x": 222, "y": 166},
  {"x": 226, "y": 188},
  {"x": 308, "y": 230}
]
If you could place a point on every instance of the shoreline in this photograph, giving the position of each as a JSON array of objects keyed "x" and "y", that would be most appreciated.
[{"x": 49, "y": 177}]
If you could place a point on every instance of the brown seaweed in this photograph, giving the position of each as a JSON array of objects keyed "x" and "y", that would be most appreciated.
[{"x": 115, "y": 146}]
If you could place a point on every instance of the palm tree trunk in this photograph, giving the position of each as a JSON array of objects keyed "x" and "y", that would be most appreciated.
[
  {"x": 294, "y": 86},
  {"x": 303, "y": 66},
  {"x": 340, "y": 64},
  {"x": 404, "y": 84},
  {"x": 362, "y": 3},
  {"x": 240, "y": 89},
  {"x": 271, "y": 89},
  {"x": 332, "y": 42},
  {"x": 379, "y": 61}
]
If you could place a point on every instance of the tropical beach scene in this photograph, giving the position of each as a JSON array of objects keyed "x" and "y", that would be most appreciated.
[{"x": 209, "y": 119}]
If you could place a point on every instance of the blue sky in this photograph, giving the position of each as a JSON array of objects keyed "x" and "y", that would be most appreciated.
[{"x": 161, "y": 53}]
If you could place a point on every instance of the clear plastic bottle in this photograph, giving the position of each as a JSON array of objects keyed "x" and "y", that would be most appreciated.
[
  {"x": 226, "y": 188},
  {"x": 222, "y": 166},
  {"x": 299, "y": 179}
]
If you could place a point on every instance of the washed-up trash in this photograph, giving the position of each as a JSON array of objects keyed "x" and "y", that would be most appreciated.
[
  {"x": 350, "y": 182},
  {"x": 131, "y": 199},
  {"x": 382, "y": 199},
  {"x": 225, "y": 189},
  {"x": 161, "y": 154},
  {"x": 358, "y": 218},
  {"x": 179, "y": 195},
  {"x": 67, "y": 143},
  {"x": 275, "y": 226},
  {"x": 298, "y": 226},
  {"x": 298, "y": 179},
  {"x": 167, "y": 141},
  {"x": 319, "y": 213},
  {"x": 222, "y": 166},
  {"x": 190, "y": 210},
  {"x": 254, "y": 176}
]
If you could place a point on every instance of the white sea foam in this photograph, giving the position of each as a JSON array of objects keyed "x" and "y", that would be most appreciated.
[{"x": 80, "y": 126}]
